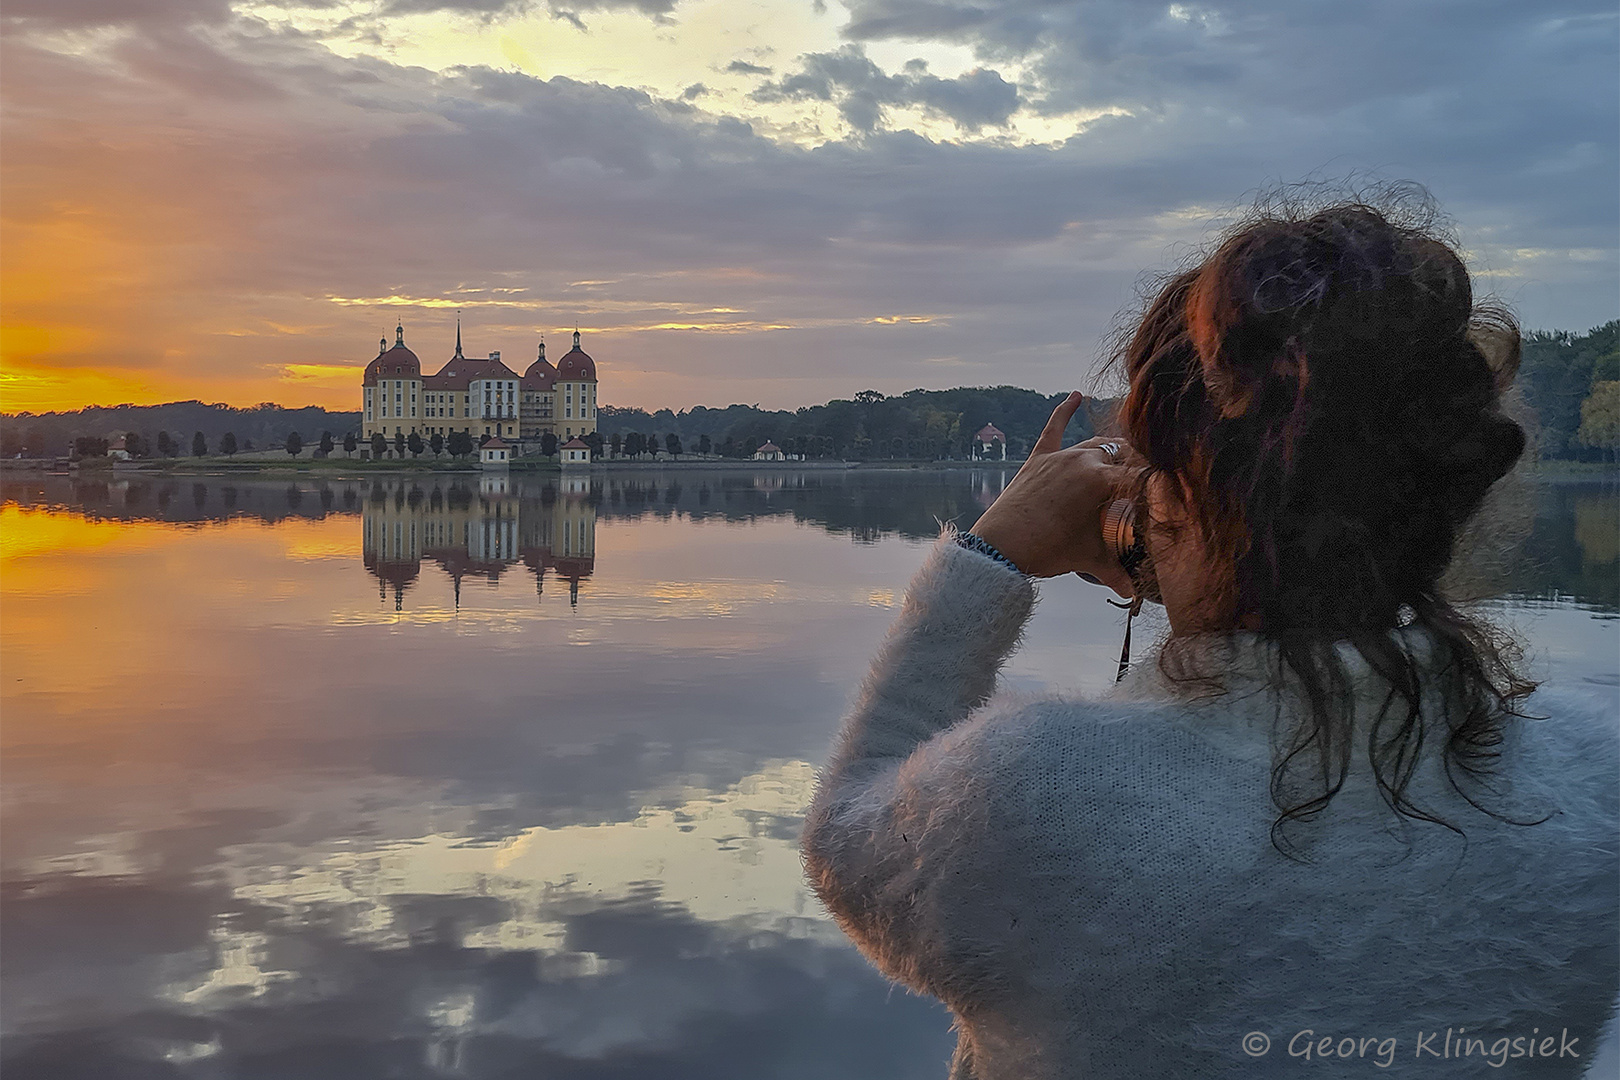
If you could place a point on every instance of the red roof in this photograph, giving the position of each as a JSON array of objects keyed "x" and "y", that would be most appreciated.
[
  {"x": 576, "y": 443},
  {"x": 496, "y": 443},
  {"x": 576, "y": 364},
  {"x": 397, "y": 363},
  {"x": 459, "y": 372},
  {"x": 538, "y": 378},
  {"x": 990, "y": 433},
  {"x": 766, "y": 448},
  {"x": 541, "y": 375}
]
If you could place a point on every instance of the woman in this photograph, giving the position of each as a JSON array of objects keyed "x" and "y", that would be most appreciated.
[{"x": 1328, "y": 820}]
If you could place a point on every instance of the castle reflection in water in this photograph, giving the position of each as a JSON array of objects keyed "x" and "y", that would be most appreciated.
[{"x": 478, "y": 529}]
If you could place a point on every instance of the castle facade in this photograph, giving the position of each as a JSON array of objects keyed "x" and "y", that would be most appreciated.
[{"x": 482, "y": 397}]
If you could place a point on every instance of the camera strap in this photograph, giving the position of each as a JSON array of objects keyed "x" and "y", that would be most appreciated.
[{"x": 1131, "y": 609}]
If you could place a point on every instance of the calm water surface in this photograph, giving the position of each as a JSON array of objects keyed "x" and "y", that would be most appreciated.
[{"x": 489, "y": 778}]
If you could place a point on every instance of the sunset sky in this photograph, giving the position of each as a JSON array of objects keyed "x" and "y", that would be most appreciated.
[{"x": 767, "y": 201}]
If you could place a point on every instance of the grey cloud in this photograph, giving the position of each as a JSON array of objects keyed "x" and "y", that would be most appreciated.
[
  {"x": 659, "y": 11},
  {"x": 743, "y": 67},
  {"x": 862, "y": 91},
  {"x": 82, "y": 13}
]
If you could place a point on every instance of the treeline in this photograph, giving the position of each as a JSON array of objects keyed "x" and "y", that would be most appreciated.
[
  {"x": 1572, "y": 381},
  {"x": 920, "y": 424},
  {"x": 176, "y": 424}
]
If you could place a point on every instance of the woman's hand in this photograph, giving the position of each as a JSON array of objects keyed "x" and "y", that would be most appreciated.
[{"x": 1049, "y": 519}]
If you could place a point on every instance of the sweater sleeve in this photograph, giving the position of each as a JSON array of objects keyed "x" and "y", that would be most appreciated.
[{"x": 895, "y": 799}]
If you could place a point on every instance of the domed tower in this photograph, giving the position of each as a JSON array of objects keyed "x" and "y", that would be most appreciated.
[
  {"x": 576, "y": 393},
  {"x": 391, "y": 390},
  {"x": 538, "y": 410}
]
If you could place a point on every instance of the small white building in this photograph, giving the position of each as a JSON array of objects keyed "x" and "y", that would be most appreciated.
[
  {"x": 496, "y": 453},
  {"x": 769, "y": 452},
  {"x": 989, "y": 444},
  {"x": 575, "y": 452}
]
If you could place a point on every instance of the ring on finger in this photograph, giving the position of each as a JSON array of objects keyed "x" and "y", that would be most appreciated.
[{"x": 1111, "y": 449}]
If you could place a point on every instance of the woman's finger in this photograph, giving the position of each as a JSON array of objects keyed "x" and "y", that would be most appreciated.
[{"x": 1052, "y": 435}]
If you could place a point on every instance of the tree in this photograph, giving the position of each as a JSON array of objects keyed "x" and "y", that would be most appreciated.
[
  {"x": 459, "y": 444},
  {"x": 649, "y": 443},
  {"x": 227, "y": 444},
  {"x": 295, "y": 444},
  {"x": 326, "y": 443},
  {"x": 90, "y": 446},
  {"x": 672, "y": 442},
  {"x": 1600, "y": 417},
  {"x": 247, "y": 445},
  {"x": 594, "y": 441},
  {"x": 379, "y": 446},
  {"x": 415, "y": 444},
  {"x": 135, "y": 445},
  {"x": 399, "y": 444},
  {"x": 617, "y": 442},
  {"x": 350, "y": 444},
  {"x": 165, "y": 444},
  {"x": 548, "y": 443},
  {"x": 199, "y": 445},
  {"x": 436, "y": 444},
  {"x": 704, "y": 445}
]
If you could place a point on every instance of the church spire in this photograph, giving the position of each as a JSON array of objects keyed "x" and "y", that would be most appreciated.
[
  {"x": 458, "y": 335},
  {"x": 576, "y": 337},
  {"x": 542, "y": 347},
  {"x": 399, "y": 334}
]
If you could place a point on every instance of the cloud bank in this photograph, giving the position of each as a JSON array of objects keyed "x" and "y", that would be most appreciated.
[{"x": 196, "y": 194}]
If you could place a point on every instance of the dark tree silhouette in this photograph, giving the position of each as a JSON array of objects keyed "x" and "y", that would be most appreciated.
[
  {"x": 617, "y": 442},
  {"x": 704, "y": 444},
  {"x": 436, "y": 444},
  {"x": 399, "y": 444},
  {"x": 548, "y": 443},
  {"x": 199, "y": 445},
  {"x": 295, "y": 444},
  {"x": 326, "y": 443},
  {"x": 414, "y": 443},
  {"x": 350, "y": 444},
  {"x": 165, "y": 444},
  {"x": 672, "y": 443},
  {"x": 379, "y": 446},
  {"x": 227, "y": 444}
]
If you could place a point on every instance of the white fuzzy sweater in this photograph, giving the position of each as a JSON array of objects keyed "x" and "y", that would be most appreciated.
[{"x": 1091, "y": 888}]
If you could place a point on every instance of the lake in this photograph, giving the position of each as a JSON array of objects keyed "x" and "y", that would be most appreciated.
[{"x": 499, "y": 777}]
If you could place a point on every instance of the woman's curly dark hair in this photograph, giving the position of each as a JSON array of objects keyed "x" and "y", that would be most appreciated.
[{"x": 1328, "y": 395}]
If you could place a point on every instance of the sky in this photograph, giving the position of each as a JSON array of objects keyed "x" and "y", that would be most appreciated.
[{"x": 758, "y": 201}]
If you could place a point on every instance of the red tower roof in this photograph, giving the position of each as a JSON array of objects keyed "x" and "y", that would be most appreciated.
[
  {"x": 541, "y": 375},
  {"x": 395, "y": 363},
  {"x": 576, "y": 364}
]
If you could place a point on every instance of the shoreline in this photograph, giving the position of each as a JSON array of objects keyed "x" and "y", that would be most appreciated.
[{"x": 1556, "y": 470}]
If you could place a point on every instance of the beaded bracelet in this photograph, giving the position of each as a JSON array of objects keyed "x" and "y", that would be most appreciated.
[{"x": 975, "y": 542}]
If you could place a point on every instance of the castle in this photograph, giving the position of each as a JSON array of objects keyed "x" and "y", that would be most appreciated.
[{"x": 483, "y": 398}]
